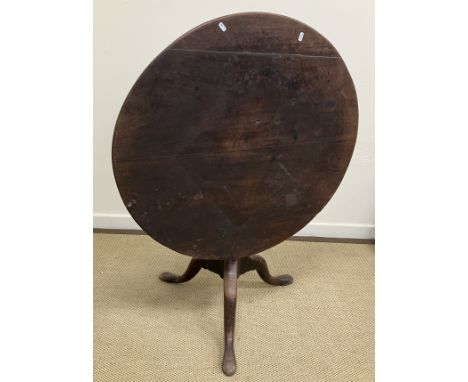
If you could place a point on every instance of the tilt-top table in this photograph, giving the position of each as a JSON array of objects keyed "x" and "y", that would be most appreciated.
[{"x": 232, "y": 140}]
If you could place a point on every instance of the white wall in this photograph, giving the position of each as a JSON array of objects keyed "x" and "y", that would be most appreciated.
[{"x": 129, "y": 34}]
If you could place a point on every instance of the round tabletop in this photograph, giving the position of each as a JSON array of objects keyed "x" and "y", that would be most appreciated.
[{"x": 235, "y": 136}]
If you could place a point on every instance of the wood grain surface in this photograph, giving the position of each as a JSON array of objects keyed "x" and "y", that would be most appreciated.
[{"x": 235, "y": 136}]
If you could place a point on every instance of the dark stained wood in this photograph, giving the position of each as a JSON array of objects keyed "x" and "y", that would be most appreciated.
[
  {"x": 192, "y": 270},
  {"x": 231, "y": 142},
  {"x": 229, "y": 270},
  {"x": 259, "y": 263},
  {"x": 230, "y": 300},
  {"x": 245, "y": 264}
]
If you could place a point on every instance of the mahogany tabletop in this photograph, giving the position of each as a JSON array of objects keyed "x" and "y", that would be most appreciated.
[{"x": 235, "y": 136}]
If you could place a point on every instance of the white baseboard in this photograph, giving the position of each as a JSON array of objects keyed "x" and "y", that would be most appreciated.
[
  {"x": 338, "y": 230},
  {"x": 114, "y": 221},
  {"x": 316, "y": 229}
]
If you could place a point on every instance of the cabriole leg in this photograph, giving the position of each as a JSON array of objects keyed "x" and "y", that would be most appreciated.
[{"x": 192, "y": 269}]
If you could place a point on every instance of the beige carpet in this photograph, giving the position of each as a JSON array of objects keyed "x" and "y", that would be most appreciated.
[{"x": 321, "y": 328}]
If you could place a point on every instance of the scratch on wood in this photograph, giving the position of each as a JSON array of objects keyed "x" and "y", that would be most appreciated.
[
  {"x": 284, "y": 169},
  {"x": 228, "y": 192}
]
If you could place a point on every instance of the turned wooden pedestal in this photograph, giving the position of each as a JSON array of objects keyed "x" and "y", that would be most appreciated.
[
  {"x": 229, "y": 270},
  {"x": 231, "y": 141}
]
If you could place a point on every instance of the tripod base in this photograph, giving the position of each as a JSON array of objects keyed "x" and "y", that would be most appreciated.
[{"x": 229, "y": 270}]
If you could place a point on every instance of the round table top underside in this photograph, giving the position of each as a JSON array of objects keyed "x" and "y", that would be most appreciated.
[{"x": 235, "y": 136}]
